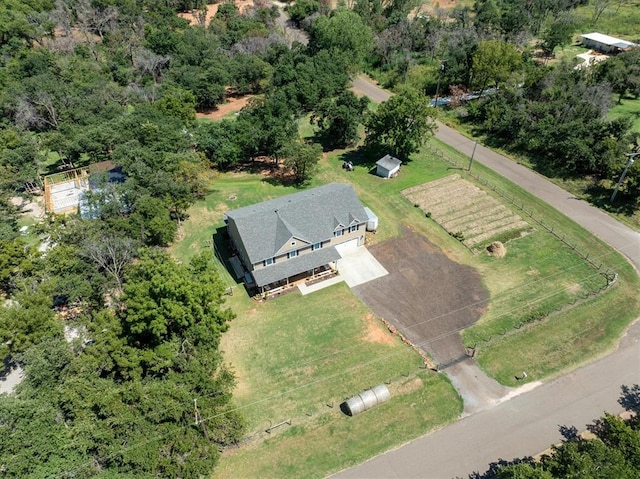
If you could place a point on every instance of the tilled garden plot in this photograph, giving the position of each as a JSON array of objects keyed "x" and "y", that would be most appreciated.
[{"x": 466, "y": 211}]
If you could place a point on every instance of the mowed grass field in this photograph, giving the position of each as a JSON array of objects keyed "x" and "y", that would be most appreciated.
[{"x": 296, "y": 358}]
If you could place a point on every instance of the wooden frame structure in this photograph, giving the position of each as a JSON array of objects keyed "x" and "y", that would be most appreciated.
[{"x": 62, "y": 190}]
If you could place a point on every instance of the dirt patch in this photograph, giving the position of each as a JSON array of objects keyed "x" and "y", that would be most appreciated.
[
  {"x": 574, "y": 289},
  {"x": 232, "y": 105},
  {"x": 32, "y": 208},
  {"x": 426, "y": 296},
  {"x": 195, "y": 17},
  {"x": 435, "y": 7},
  {"x": 375, "y": 332}
]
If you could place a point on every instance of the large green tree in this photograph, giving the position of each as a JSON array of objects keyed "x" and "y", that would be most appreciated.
[
  {"x": 302, "y": 159},
  {"x": 494, "y": 62},
  {"x": 120, "y": 400},
  {"x": 343, "y": 32},
  {"x": 340, "y": 117},
  {"x": 401, "y": 125}
]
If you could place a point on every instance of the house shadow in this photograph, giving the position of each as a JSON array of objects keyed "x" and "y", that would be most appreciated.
[{"x": 223, "y": 252}]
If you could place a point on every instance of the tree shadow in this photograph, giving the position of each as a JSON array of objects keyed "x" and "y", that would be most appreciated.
[
  {"x": 569, "y": 433},
  {"x": 364, "y": 157},
  {"x": 8, "y": 364},
  {"x": 327, "y": 143},
  {"x": 494, "y": 467},
  {"x": 284, "y": 177},
  {"x": 630, "y": 398},
  {"x": 600, "y": 196}
]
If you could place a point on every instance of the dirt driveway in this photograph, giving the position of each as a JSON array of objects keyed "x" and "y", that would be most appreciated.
[{"x": 428, "y": 297}]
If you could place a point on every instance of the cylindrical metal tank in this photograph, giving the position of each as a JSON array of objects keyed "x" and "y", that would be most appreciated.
[{"x": 367, "y": 399}]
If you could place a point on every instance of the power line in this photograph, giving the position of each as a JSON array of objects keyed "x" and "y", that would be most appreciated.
[{"x": 350, "y": 370}]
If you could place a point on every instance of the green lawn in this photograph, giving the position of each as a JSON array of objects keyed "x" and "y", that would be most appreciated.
[
  {"x": 629, "y": 107},
  {"x": 539, "y": 274},
  {"x": 296, "y": 356},
  {"x": 620, "y": 19}
]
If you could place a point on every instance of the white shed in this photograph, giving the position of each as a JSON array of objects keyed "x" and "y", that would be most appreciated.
[{"x": 388, "y": 166}]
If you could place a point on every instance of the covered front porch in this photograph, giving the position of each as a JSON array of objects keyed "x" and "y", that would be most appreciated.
[{"x": 308, "y": 269}]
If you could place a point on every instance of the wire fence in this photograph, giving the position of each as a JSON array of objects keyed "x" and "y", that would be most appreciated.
[{"x": 608, "y": 274}]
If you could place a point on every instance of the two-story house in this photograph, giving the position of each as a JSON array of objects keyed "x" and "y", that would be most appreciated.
[{"x": 289, "y": 237}]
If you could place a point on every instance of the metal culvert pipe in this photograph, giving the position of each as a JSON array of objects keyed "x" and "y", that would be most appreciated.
[{"x": 366, "y": 400}]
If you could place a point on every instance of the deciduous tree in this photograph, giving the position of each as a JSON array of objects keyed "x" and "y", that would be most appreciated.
[
  {"x": 401, "y": 125},
  {"x": 302, "y": 159},
  {"x": 340, "y": 117}
]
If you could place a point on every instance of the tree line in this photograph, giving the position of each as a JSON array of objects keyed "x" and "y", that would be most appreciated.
[
  {"x": 119, "y": 342},
  {"x": 116, "y": 338}
]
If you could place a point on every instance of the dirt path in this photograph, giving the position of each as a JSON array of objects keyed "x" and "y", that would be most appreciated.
[
  {"x": 231, "y": 106},
  {"x": 194, "y": 16}
]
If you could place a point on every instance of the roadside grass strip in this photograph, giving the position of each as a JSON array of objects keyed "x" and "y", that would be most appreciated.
[{"x": 466, "y": 211}]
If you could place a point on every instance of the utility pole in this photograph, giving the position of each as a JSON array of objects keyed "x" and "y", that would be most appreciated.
[
  {"x": 438, "y": 85},
  {"x": 475, "y": 143},
  {"x": 630, "y": 162}
]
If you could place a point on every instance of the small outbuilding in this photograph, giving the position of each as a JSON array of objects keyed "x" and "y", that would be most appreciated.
[
  {"x": 605, "y": 43},
  {"x": 388, "y": 166}
]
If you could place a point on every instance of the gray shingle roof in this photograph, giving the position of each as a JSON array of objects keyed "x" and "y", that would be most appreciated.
[
  {"x": 294, "y": 266},
  {"x": 310, "y": 216},
  {"x": 388, "y": 162}
]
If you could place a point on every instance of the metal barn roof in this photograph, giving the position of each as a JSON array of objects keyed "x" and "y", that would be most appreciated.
[{"x": 607, "y": 40}]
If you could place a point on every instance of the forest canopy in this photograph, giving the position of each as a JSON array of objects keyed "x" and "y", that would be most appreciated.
[{"x": 115, "y": 337}]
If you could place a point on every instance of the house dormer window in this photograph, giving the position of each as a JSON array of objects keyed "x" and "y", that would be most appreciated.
[
  {"x": 292, "y": 254},
  {"x": 269, "y": 261},
  {"x": 354, "y": 228},
  {"x": 339, "y": 232}
]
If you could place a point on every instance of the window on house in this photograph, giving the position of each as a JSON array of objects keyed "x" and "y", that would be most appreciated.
[
  {"x": 353, "y": 228},
  {"x": 292, "y": 254},
  {"x": 269, "y": 261},
  {"x": 338, "y": 233},
  {"x": 316, "y": 246}
]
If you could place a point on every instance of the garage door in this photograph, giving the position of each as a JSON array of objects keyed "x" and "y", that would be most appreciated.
[{"x": 347, "y": 246}]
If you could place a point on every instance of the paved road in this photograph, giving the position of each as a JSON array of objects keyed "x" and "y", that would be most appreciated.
[
  {"x": 621, "y": 237},
  {"x": 527, "y": 423},
  {"x": 522, "y": 426}
]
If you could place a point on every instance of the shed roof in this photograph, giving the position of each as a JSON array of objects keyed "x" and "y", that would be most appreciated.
[
  {"x": 388, "y": 162},
  {"x": 310, "y": 216},
  {"x": 293, "y": 266},
  {"x": 607, "y": 40}
]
